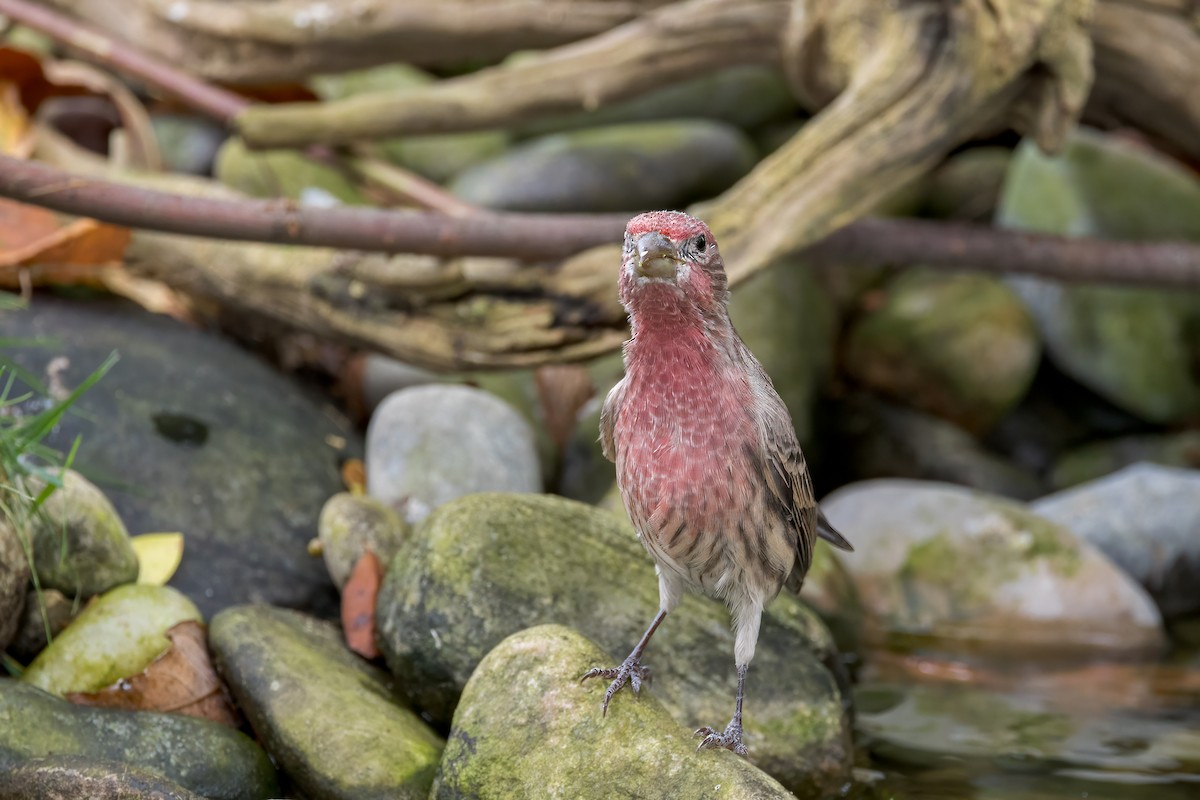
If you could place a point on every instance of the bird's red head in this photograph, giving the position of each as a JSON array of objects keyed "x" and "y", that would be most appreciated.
[{"x": 671, "y": 264}]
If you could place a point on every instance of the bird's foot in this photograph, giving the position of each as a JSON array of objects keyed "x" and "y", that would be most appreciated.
[
  {"x": 630, "y": 672},
  {"x": 731, "y": 739}
]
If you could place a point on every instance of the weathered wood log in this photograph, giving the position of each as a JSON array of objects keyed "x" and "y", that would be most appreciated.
[{"x": 251, "y": 41}]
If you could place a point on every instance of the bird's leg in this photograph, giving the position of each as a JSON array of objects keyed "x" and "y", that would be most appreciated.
[
  {"x": 631, "y": 670},
  {"x": 731, "y": 739}
]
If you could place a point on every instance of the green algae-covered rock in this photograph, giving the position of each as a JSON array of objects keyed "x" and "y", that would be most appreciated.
[
  {"x": 880, "y": 440},
  {"x": 746, "y": 96},
  {"x": 72, "y": 777},
  {"x": 1097, "y": 459},
  {"x": 331, "y": 721},
  {"x": 14, "y": 579},
  {"x": 204, "y": 757},
  {"x": 961, "y": 346},
  {"x": 1136, "y": 347},
  {"x": 45, "y": 609},
  {"x": 964, "y": 567},
  {"x": 615, "y": 168},
  {"x": 486, "y": 566},
  {"x": 968, "y": 185},
  {"x": 526, "y": 727},
  {"x": 115, "y": 637},
  {"x": 282, "y": 173},
  {"x": 438, "y": 157},
  {"x": 352, "y": 524},
  {"x": 80, "y": 545}
]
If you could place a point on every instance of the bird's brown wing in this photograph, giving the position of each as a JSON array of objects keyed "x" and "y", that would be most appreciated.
[
  {"x": 789, "y": 487},
  {"x": 608, "y": 420}
]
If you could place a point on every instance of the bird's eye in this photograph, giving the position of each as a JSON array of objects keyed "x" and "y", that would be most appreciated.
[{"x": 701, "y": 243}]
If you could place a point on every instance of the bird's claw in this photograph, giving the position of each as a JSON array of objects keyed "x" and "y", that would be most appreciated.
[
  {"x": 631, "y": 671},
  {"x": 731, "y": 739}
]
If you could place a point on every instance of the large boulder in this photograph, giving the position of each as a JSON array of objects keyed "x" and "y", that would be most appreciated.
[
  {"x": 204, "y": 757},
  {"x": 1146, "y": 518},
  {"x": 1137, "y": 347},
  {"x": 189, "y": 433},
  {"x": 968, "y": 569},
  {"x": 331, "y": 721},
  {"x": 489, "y": 565},
  {"x": 526, "y": 727}
]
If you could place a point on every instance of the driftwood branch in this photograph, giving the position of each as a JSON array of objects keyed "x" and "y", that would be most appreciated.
[
  {"x": 1146, "y": 60},
  {"x": 665, "y": 46},
  {"x": 249, "y": 41},
  {"x": 532, "y": 237}
]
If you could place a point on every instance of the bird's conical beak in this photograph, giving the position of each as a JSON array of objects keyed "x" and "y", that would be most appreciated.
[{"x": 656, "y": 256}]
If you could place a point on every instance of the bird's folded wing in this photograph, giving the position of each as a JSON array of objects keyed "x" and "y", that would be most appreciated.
[{"x": 608, "y": 420}]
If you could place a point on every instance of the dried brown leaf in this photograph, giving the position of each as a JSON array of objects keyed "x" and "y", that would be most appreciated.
[
  {"x": 181, "y": 680},
  {"x": 358, "y": 605}
]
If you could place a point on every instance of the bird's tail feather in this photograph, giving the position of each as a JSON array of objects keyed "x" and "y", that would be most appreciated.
[{"x": 827, "y": 532}]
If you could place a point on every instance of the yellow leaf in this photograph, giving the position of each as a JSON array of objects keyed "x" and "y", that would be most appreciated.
[{"x": 158, "y": 556}]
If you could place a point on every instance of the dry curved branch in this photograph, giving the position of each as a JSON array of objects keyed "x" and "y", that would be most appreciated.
[
  {"x": 250, "y": 41},
  {"x": 1146, "y": 70},
  {"x": 665, "y": 46},
  {"x": 919, "y": 79}
]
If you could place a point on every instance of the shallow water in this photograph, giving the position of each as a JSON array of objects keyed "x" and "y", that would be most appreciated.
[{"x": 936, "y": 727}]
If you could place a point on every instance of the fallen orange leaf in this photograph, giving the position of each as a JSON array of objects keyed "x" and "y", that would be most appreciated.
[
  {"x": 358, "y": 605},
  {"x": 181, "y": 680},
  {"x": 32, "y": 241}
]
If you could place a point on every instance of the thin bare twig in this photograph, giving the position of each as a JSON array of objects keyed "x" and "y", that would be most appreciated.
[
  {"x": 526, "y": 236},
  {"x": 534, "y": 237},
  {"x": 218, "y": 103}
]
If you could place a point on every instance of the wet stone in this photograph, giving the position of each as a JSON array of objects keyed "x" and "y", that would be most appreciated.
[
  {"x": 968, "y": 569},
  {"x": 486, "y": 566},
  {"x": 205, "y": 439},
  {"x": 1146, "y": 519},
  {"x": 332, "y": 722},
  {"x": 204, "y": 757},
  {"x": 526, "y": 727}
]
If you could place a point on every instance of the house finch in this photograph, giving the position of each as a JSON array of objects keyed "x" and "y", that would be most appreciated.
[{"x": 707, "y": 459}]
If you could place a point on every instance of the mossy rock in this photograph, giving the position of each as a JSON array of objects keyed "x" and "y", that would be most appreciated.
[
  {"x": 80, "y": 544},
  {"x": 115, "y": 637},
  {"x": 967, "y": 569},
  {"x": 615, "y": 168},
  {"x": 746, "y": 96},
  {"x": 1097, "y": 459},
  {"x": 488, "y": 565},
  {"x": 282, "y": 173},
  {"x": 1136, "y": 347},
  {"x": 332, "y": 722},
  {"x": 961, "y": 346},
  {"x": 438, "y": 157},
  {"x": 204, "y": 757},
  {"x": 14, "y": 578},
  {"x": 968, "y": 185},
  {"x": 526, "y": 727},
  {"x": 72, "y": 777}
]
